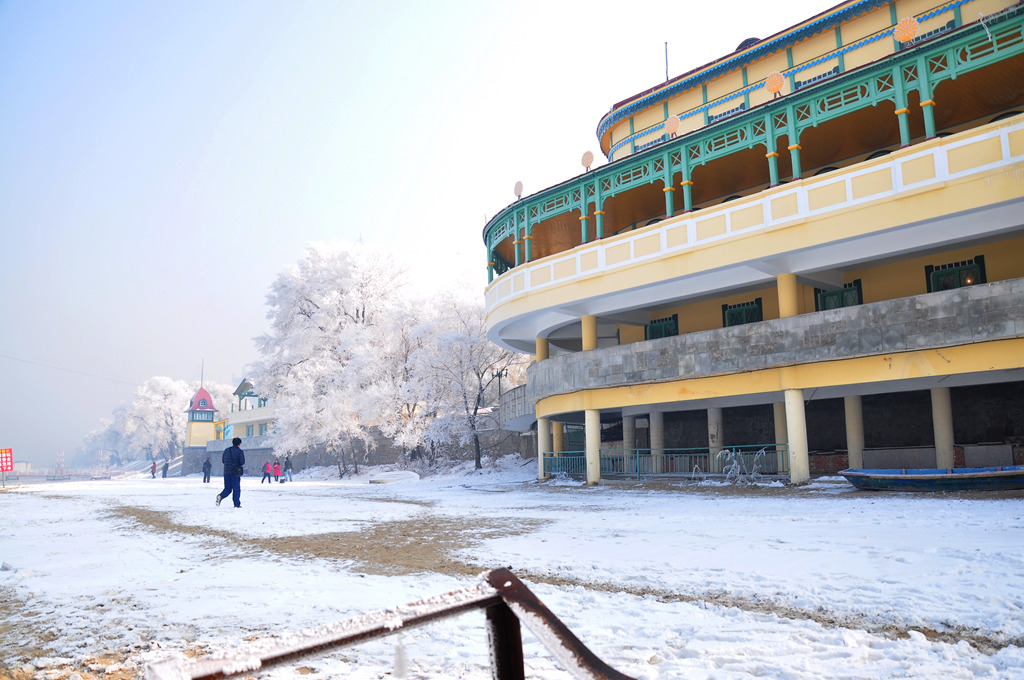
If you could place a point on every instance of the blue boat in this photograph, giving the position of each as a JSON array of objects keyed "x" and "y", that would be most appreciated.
[{"x": 938, "y": 479}]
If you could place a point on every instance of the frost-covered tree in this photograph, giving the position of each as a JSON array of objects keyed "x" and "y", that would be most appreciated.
[
  {"x": 461, "y": 367},
  {"x": 319, "y": 361},
  {"x": 153, "y": 424}
]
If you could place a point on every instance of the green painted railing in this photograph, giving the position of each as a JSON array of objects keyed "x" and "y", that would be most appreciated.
[{"x": 734, "y": 461}]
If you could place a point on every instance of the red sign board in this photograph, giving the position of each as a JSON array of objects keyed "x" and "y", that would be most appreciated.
[{"x": 6, "y": 460}]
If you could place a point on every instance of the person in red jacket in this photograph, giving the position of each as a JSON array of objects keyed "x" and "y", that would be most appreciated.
[
  {"x": 266, "y": 472},
  {"x": 277, "y": 471}
]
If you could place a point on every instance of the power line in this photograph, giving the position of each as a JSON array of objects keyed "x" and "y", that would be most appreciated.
[{"x": 124, "y": 381}]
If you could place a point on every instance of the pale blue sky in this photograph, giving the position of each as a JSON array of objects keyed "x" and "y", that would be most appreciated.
[{"x": 161, "y": 162}]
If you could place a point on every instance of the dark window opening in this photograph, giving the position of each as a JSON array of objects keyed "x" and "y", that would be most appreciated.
[
  {"x": 662, "y": 328},
  {"x": 744, "y": 312},
  {"x": 850, "y": 295},
  {"x": 955, "y": 274}
]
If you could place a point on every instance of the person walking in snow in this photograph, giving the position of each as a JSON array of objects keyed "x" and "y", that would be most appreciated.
[
  {"x": 164, "y": 474},
  {"x": 234, "y": 461},
  {"x": 152, "y": 470},
  {"x": 266, "y": 472},
  {"x": 277, "y": 471},
  {"x": 288, "y": 467},
  {"x": 207, "y": 467}
]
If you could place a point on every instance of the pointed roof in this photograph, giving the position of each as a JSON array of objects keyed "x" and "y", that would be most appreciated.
[
  {"x": 202, "y": 401},
  {"x": 244, "y": 388}
]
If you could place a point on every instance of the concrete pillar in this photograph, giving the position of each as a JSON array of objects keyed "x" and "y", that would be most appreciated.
[
  {"x": 629, "y": 442},
  {"x": 592, "y": 433},
  {"x": 716, "y": 435},
  {"x": 854, "y": 431},
  {"x": 557, "y": 436},
  {"x": 781, "y": 431},
  {"x": 589, "y": 336},
  {"x": 542, "y": 349},
  {"x": 789, "y": 298},
  {"x": 629, "y": 433},
  {"x": 796, "y": 425},
  {"x": 543, "y": 444},
  {"x": 942, "y": 424},
  {"x": 656, "y": 423}
]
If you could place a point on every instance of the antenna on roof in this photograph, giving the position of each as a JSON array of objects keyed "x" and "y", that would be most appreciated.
[
  {"x": 202, "y": 370},
  {"x": 666, "y": 61}
]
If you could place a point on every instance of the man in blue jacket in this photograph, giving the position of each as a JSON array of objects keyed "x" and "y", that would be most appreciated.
[{"x": 234, "y": 459}]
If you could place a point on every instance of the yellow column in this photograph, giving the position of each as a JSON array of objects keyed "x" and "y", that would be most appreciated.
[
  {"x": 589, "y": 337},
  {"x": 656, "y": 432},
  {"x": 543, "y": 444},
  {"x": 592, "y": 432},
  {"x": 542, "y": 349},
  {"x": 796, "y": 424},
  {"x": 557, "y": 436},
  {"x": 854, "y": 431},
  {"x": 789, "y": 300},
  {"x": 942, "y": 424}
]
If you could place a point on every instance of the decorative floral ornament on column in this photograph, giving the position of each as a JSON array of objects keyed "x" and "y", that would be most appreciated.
[
  {"x": 906, "y": 29},
  {"x": 671, "y": 125},
  {"x": 774, "y": 82}
]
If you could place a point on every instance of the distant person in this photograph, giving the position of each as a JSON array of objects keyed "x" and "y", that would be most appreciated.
[
  {"x": 267, "y": 470},
  {"x": 164, "y": 473},
  {"x": 207, "y": 468},
  {"x": 288, "y": 467},
  {"x": 152, "y": 470},
  {"x": 277, "y": 471},
  {"x": 234, "y": 462}
]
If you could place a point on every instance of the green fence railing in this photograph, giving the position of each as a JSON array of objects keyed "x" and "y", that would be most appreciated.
[{"x": 733, "y": 461}]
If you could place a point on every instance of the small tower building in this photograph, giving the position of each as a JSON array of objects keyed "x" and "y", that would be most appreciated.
[{"x": 201, "y": 415}]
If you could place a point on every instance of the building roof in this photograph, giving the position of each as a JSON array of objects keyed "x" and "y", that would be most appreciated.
[{"x": 197, "y": 400}]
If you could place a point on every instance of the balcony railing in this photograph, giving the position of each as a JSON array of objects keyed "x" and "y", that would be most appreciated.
[{"x": 729, "y": 462}]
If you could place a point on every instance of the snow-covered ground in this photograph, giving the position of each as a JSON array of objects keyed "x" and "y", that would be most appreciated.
[{"x": 672, "y": 581}]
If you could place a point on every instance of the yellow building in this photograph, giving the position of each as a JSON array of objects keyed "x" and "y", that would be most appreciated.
[{"x": 814, "y": 244}]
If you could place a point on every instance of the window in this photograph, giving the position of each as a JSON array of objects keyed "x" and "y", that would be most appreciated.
[
  {"x": 248, "y": 430},
  {"x": 849, "y": 295},
  {"x": 662, "y": 328},
  {"x": 263, "y": 428},
  {"x": 744, "y": 312},
  {"x": 202, "y": 403},
  {"x": 955, "y": 274}
]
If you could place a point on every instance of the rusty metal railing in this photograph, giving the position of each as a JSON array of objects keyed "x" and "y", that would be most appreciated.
[{"x": 506, "y": 601}]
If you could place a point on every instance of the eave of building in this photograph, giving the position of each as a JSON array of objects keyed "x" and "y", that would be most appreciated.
[{"x": 644, "y": 100}]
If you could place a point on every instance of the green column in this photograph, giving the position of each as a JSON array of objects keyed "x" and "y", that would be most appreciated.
[
  {"x": 515, "y": 237},
  {"x": 772, "y": 155},
  {"x": 902, "y": 111},
  {"x": 927, "y": 103},
  {"x": 598, "y": 211},
  {"x": 490, "y": 265},
  {"x": 584, "y": 230},
  {"x": 670, "y": 191},
  {"x": 794, "y": 141}
]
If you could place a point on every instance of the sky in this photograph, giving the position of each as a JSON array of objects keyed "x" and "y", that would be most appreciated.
[
  {"x": 702, "y": 581},
  {"x": 162, "y": 163}
]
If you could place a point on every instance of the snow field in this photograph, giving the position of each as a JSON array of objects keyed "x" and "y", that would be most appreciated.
[{"x": 690, "y": 582}]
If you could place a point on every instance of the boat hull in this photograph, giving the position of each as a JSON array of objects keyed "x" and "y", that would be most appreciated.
[{"x": 938, "y": 479}]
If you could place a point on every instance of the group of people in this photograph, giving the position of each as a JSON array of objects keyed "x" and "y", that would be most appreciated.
[
  {"x": 275, "y": 470},
  {"x": 234, "y": 468}
]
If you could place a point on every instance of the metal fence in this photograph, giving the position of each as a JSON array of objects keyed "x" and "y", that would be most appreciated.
[{"x": 733, "y": 461}]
